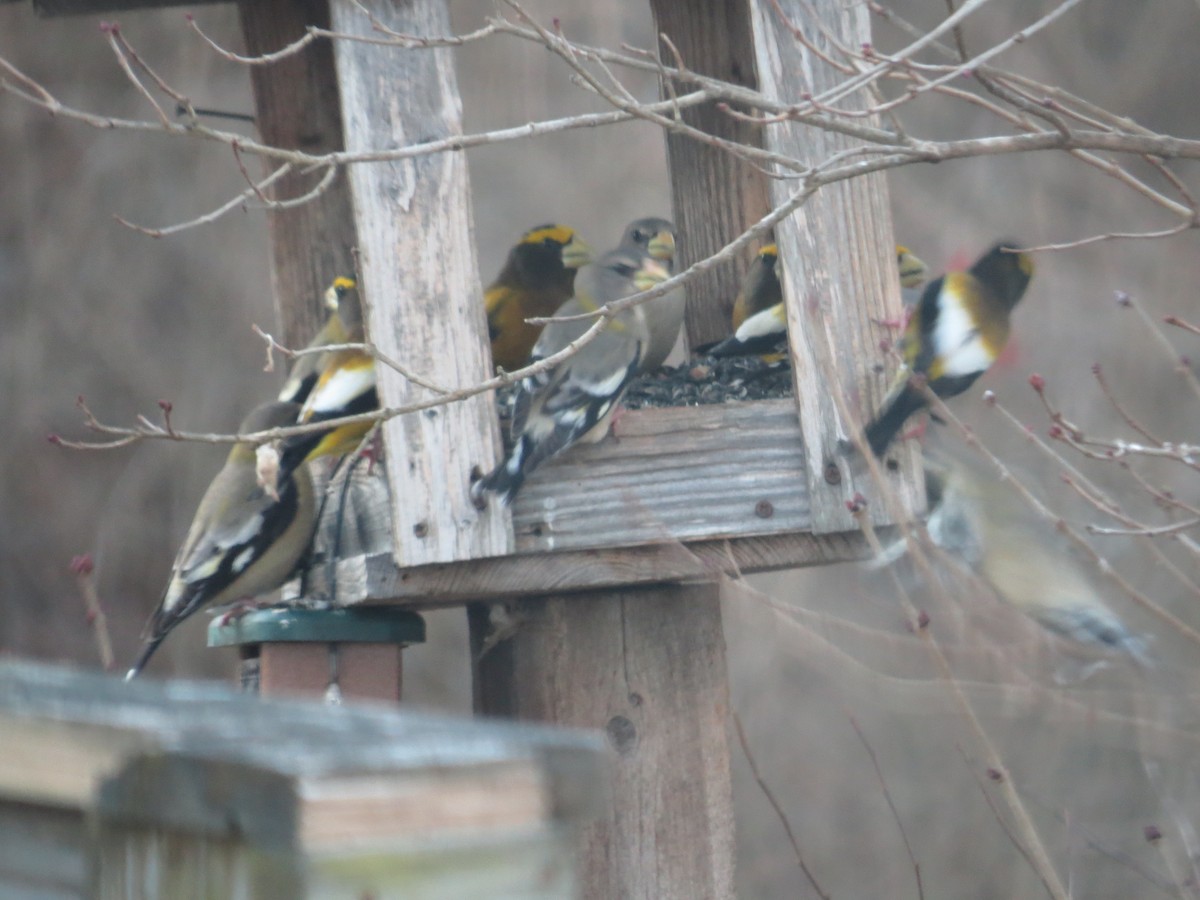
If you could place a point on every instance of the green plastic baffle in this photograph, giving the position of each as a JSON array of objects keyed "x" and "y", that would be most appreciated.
[{"x": 336, "y": 653}]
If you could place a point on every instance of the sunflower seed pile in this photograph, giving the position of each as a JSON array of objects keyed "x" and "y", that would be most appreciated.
[{"x": 697, "y": 382}]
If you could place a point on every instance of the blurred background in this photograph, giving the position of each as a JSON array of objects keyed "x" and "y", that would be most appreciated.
[{"x": 92, "y": 308}]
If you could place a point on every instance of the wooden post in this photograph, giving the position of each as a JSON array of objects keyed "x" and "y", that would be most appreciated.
[
  {"x": 837, "y": 251},
  {"x": 421, "y": 280},
  {"x": 296, "y": 107},
  {"x": 647, "y": 667},
  {"x": 713, "y": 37}
]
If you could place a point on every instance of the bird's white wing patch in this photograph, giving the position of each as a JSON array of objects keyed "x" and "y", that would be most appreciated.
[
  {"x": 339, "y": 389},
  {"x": 761, "y": 324},
  {"x": 957, "y": 340}
]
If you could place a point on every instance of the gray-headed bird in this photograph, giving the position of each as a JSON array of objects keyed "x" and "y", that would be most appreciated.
[
  {"x": 664, "y": 315},
  {"x": 985, "y": 525},
  {"x": 575, "y": 399},
  {"x": 242, "y": 542}
]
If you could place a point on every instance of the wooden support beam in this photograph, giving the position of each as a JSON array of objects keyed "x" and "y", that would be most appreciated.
[
  {"x": 296, "y": 107},
  {"x": 421, "y": 280},
  {"x": 714, "y": 195},
  {"x": 373, "y": 579},
  {"x": 837, "y": 253},
  {"x": 648, "y": 669}
]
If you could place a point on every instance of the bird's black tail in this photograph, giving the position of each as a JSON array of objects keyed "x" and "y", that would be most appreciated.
[
  {"x": 506, "y": 479},
  {"x": 884, "y": 427},
  {"x": 144, "y": 655}
]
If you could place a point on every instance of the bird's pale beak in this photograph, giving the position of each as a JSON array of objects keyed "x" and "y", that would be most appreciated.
[
  {"x": 662, "y": 246},
  {"x": 576, "y": 253}
]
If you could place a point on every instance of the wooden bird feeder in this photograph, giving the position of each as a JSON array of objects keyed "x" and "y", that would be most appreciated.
[{"x": 610, "y": 559}]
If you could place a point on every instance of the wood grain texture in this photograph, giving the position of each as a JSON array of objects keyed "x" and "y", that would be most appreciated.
[
  {"x": 43, "y": 852},
  {"x": 376, "y": 578},
  {"x": 421, "y": 281},
  {"x": 671, "y": 474},
  {"x": 715, "y": 196},
  {"x": 648, "y": 668},
  {"x": 296, "y": 107},
  {"x": 838, "y": 256}
]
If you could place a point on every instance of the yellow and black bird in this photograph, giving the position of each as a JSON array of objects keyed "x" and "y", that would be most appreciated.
[
  {"x": 341, "y": 299},
  {"x": 574, "y": 400},
  {"x": 242, "y": 542},
  {"x": 664, "y": 315},
  {"x": 959, "y": 327},
  {"x": 760, "y": 316},
  {"x": 538, "y": 277},
  {"x": 345, "y": 386},
  {"x": 913, "y": 273}
]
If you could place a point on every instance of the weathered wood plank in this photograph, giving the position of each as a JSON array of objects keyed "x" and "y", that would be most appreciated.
[
  {"x": 421, "y": 279},
  {"x": 88, "y": 724},
  {"x": 520, "y": 865},
  {"x": 837, "y": 252},
  {"x": 647, "y": 667},
  {"x": 296, "y": 106},
  {"x": 680, "y": 494},
  {"x": 671, "y": 474},
  {"x": 715, "y": 196},
  {"x": 43, "y": 853},
  {"x": 376, "y": 578}
]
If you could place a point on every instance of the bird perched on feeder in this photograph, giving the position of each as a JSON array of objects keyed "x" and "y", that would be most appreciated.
[
  {"x": 959, "y": 327},
  {"x": 574, "y": 400},
  {"x": 985, "y": 525},
  {"x": 341, "y": 299},
  {"x": 760, "y": 317},
  {"x": 345, "y": 386},
  {"x": 243, "y": 541},
  {"x": 913, "y": 273},
  {"x": 538, "y": 277},
  {"x": 664, "y": 315}
]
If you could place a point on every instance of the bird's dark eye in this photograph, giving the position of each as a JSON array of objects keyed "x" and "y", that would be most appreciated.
[
  {"x": 640, "y": 237},
  {"x": 624, "y": 270},
  {"x": 549, "y": 243}
]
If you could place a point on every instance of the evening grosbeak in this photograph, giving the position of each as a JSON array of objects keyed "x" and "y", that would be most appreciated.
[
  {"x": 345, "y": 386},
  {"x": 574, "y": 400},
  {"x": 243, "y": 541},
  {"x": 341, "y": 300},
  {"x": 760, "y": 317},
  {"x": 664, "y": 315},
  {"x": 538, "y": 277},
  {"x": 959, "y": 327},
  {"x": 985, "y": 525}
]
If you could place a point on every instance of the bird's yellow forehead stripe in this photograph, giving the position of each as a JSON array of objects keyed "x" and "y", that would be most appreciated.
[
  {"x": 769, "y": 250},
  {"x": 901, "y": 250},
  {"x": 344, "y": 284},
  {"x": 559, "y": 233}
]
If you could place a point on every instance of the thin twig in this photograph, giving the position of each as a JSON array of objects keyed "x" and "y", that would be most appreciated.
[
  {"x": 887, "y": 795},
  {"x": 775, "y": 805}
]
